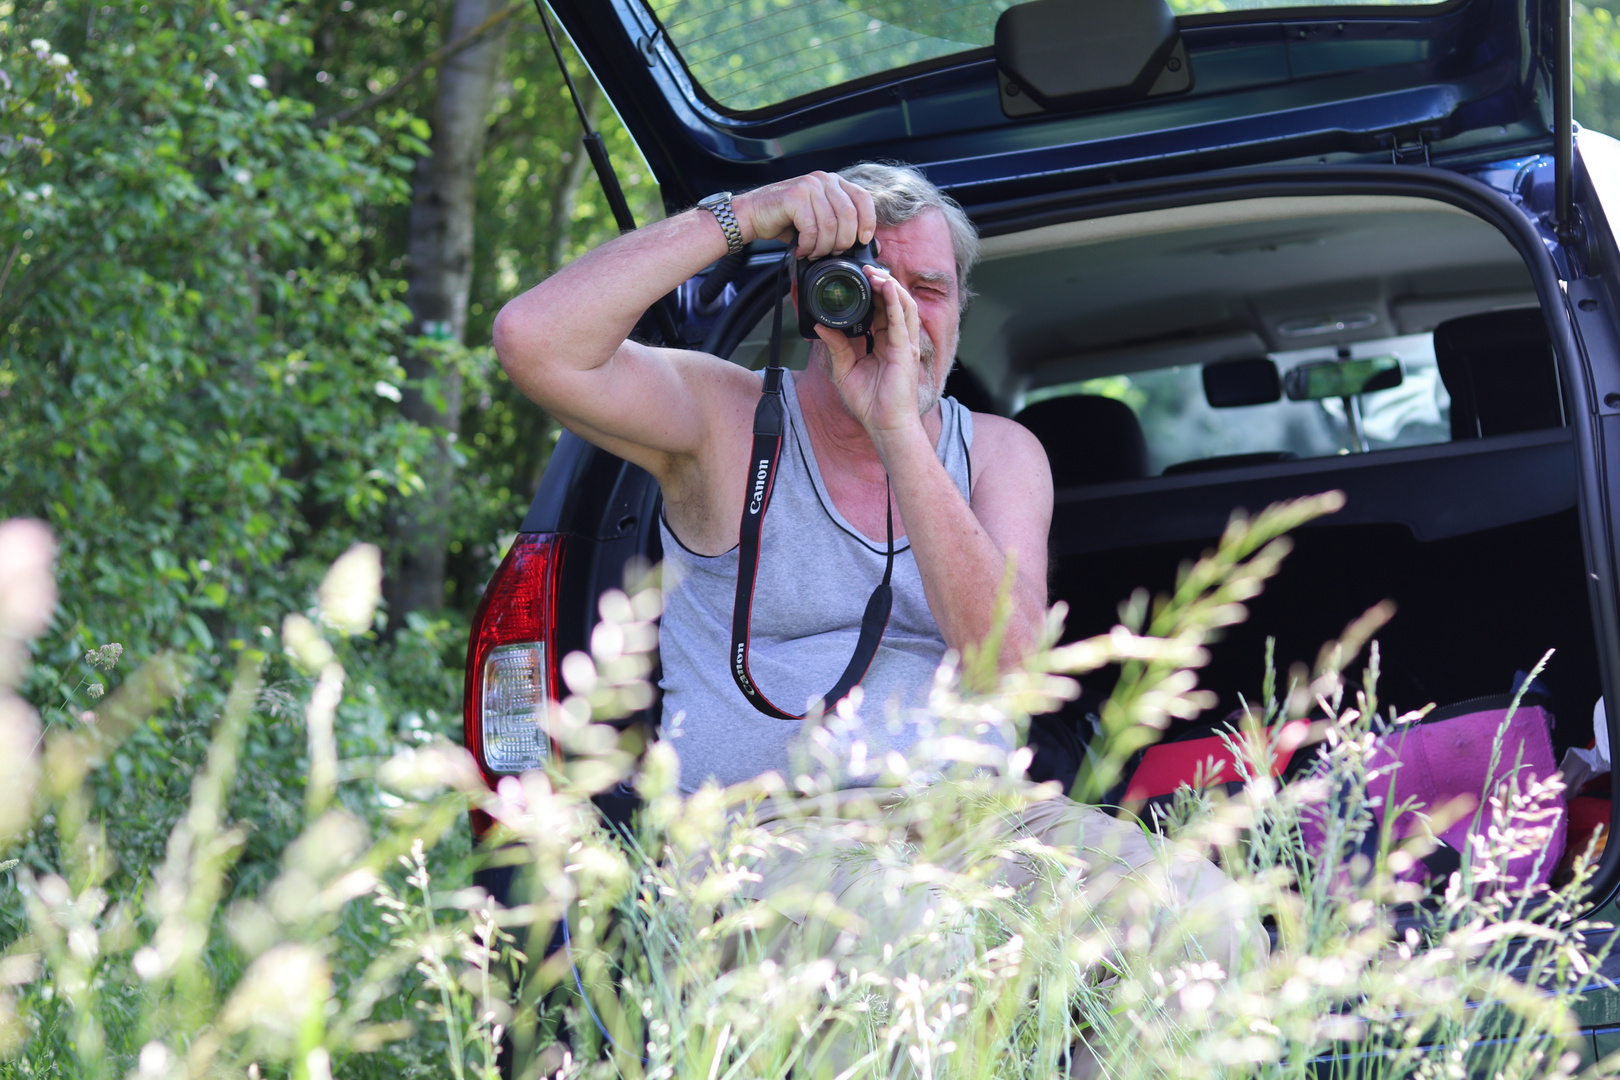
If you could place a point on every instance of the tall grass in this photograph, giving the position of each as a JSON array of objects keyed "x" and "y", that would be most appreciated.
[{"x": 910, "y": 929}]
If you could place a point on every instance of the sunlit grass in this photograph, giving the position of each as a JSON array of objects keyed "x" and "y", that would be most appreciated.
[{"x": 956, "y": 943}]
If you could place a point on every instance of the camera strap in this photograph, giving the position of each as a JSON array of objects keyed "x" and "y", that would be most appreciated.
[{"x": 769, "y": 425}]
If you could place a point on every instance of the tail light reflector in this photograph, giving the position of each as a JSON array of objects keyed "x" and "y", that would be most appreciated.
[
  {"x": 511, "y": 659},
  {"x": 515, "y": 685}
]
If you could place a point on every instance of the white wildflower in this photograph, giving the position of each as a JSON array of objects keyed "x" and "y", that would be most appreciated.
[{"x": 352, "y": 588}]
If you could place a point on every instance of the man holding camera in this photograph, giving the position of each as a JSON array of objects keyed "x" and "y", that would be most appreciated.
[
  {"x": 877, "y": 476},
  {"x": 868, "y": 436},
  {"x": 873, "y": 460}
]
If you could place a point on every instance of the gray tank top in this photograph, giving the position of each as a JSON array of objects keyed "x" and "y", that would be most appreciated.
[{"x": 816, "y": 572}]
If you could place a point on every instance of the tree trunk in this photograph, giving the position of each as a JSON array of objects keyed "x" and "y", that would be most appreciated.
[{"x": 440, "y": 268}]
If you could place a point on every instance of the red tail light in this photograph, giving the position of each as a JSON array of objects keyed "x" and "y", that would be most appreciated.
[{"x": 512, "y": 666}]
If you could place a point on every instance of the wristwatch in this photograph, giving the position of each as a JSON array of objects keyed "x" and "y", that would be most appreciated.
[{"x": 719, "y": 204}]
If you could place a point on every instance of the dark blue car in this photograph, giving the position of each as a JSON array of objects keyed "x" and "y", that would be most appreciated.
[{"x": 1233, "y": 253}]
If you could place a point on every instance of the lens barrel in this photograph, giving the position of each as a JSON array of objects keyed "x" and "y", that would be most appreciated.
[
  {"x": 834, "y": 292},
  {"x": 838, "y": 294}
]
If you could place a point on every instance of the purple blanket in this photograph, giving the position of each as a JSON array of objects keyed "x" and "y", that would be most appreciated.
[{"x": 1435, "y": 762}]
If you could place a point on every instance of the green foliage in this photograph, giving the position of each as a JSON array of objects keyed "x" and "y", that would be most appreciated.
[
  {"x": 200, "y": 315},
  {"x": 42, "y": 87},
  {"x": 195, "y": 370},
  {"x": 1597, "y": 65},
  {"x": 198, "y": 379}
]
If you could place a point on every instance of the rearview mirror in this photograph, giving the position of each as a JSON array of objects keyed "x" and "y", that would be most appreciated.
[
  {"x": 1342, "y": 378},
  {"x": 1250, "y": 381}
]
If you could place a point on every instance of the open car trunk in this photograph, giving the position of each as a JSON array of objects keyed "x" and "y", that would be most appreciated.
[
  {"x": 1095, "y": 332},
  {"x": 1108, "y": 336},
  {"x": 1130, "y": 252},
  {"x": 1095, "y": 324}
]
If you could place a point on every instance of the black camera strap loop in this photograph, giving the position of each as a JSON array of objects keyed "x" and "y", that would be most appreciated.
[{"x": 769, "y": 426}]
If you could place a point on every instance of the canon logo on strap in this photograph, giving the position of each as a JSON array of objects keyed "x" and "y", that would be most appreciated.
[
  {"x": 742, "y": 670},
  {"x": 759, "y": 486}
]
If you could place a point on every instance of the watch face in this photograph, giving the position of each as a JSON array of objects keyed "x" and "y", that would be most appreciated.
[{"x": 714, "y": 200}]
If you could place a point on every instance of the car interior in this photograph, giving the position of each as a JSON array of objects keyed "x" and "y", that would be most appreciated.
[{"x": 1149, "y": 352}]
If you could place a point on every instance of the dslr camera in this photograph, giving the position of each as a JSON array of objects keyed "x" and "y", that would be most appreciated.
[{"x": 834, "y": 292}]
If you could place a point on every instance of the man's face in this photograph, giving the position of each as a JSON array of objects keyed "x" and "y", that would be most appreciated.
[{"x": 920, "y": 256}]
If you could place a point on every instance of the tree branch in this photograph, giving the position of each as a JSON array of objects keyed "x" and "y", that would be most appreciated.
[
  {"x": 37, "y": 275},
  {"x": 6, "y": 273},
  {"x": 437, "y": 56}
]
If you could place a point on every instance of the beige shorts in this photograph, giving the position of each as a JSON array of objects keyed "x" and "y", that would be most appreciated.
[{"x": 864, "y": 869}]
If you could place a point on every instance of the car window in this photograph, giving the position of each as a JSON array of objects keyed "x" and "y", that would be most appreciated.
[
  {"x": 1180, "y": 426},
  {"x": 752, "y": 54}
]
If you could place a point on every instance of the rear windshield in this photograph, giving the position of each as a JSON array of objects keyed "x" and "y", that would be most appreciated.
[
  {"x": 752, "y": 54},
  {"x": 1180, "y": 426}
]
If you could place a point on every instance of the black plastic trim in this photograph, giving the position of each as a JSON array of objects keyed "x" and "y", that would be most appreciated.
[{"x": 552, "y": 502}]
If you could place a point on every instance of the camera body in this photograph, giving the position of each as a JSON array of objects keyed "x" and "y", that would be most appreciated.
[{"x": 834, "y": 292}]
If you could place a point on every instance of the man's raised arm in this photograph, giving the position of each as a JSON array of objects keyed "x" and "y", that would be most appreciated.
[{"x": 564, "y": 342}]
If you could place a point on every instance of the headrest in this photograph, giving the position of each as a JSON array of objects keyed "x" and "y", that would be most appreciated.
[
  {"x": 1089, "y": 439},
  {"x": 966, "y": 387},
  {"x": 1500, "y": 372}
]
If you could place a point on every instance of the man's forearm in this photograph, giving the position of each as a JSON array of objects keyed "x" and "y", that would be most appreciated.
[
  {"x": 961, "y": 564},
  {"x": 580, "y": 315}
]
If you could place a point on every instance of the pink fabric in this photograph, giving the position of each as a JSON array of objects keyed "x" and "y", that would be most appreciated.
[{"x": 1447, "y": 758}]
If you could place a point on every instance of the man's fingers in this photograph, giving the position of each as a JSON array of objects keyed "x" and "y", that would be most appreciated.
[
  {"x": 913, "y": 321},
  {"x": 826, "y": 214},
  {"x": 806, "y": 222},
  {"x": 822, "y": 212},
  {"x": 900, "y": 314},
  {"x": 865, "y": 212},
  {"x": 840, "y": 348},
  {"x": 849, "y": 218}
]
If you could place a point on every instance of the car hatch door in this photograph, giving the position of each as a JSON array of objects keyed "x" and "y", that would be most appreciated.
[{"x": 727, "y": 94}]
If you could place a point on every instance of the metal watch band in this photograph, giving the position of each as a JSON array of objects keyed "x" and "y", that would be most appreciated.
[{"x": 720, "y": 206}]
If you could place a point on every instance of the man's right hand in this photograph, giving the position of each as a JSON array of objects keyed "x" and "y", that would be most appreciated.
[{"x": 820, "y": 214}]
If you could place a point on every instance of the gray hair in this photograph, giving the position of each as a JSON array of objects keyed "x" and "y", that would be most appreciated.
[{"x": 901, "y": 192}]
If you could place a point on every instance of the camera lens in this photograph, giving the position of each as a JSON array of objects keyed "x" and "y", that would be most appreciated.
[
  {"x": 836, "y": 294},
  {"x": 840, "y": 296}
]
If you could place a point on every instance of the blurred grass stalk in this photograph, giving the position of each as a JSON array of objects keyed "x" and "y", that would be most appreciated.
[
  {"x": 649, "y": 955},
  {"x": 281, "y": 1015}
]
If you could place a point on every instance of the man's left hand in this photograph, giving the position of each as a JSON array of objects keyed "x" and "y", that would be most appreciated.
[{"x": 880, "y": 387}]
